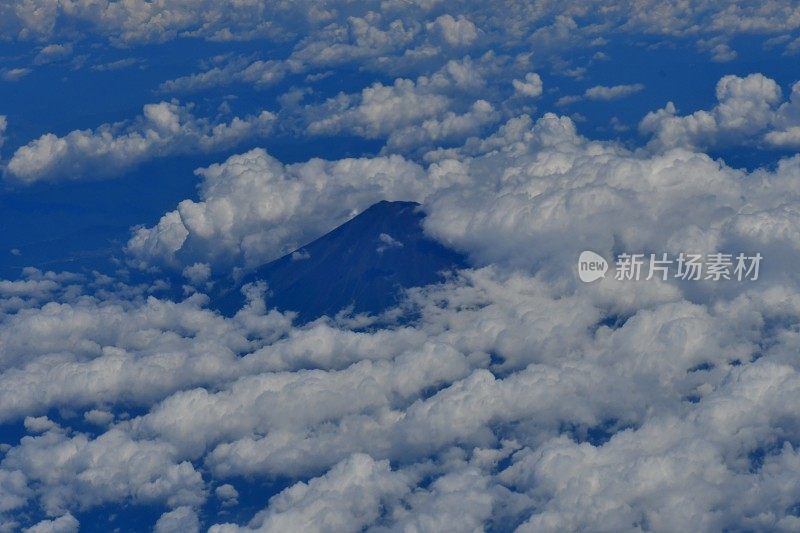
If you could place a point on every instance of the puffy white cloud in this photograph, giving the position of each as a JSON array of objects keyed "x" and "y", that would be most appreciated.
[
  {"x": 455, "y": 31},
  {"x": 15, "y": 491},
  {"x": 228, "y": 494},
  {"x": 380, "y": 110},
  {"x": 448, "y": 128},
  {"x": 787, "y": 138},
  {"x": 749, "y": 110},
  {"x": 348, "y": 498},
  {"x": 254, "y": 208},
  {"x": 786, "y": 132},
  {"x": 34, "y": 288},
  {"x": 364, "y": 386},
  {"x": 531, "y": 86},
  {"x": 53, "y": 52},
  {"x": 77, "y": 471},
  {"x": 197, "y": 273},
  {"x": 14, "y": 74},
  {"x": 679, "y": 470},
  {"x": 460, "y": 500},
  {"x": 89, "y": 354},
  {"x": 369, "y": 36},
  {"x": 568, "y": 100},
  {"x": 443, "y": 108},
  {"x": 63, "y": 524},
  {"x": 721, "y": 52},
  {"x": 39, "y": 424},
  {"x": 558, "y": 194},
  {"x": 162, "y": 129},
  {"x": 258, "y": 72},
  {"x": 98, "y": 417},
  {"x": 180, "y": 520},
  {"x": 602, "y": 92}
]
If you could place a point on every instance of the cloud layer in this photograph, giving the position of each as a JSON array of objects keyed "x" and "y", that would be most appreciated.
[
  {"x": 515, "y": 396},
  {"x": 510, "y": 396}
]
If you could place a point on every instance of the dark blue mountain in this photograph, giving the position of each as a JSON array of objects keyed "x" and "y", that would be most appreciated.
[{"x": 364, "y": 264}]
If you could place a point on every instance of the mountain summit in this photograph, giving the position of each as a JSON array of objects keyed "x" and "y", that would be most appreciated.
[{"x": 365, "y": 264}]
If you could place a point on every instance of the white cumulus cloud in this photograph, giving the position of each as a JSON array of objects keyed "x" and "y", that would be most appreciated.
[
  {"x": 750, "y": 110},
  {"x": 162, "y": 129}
]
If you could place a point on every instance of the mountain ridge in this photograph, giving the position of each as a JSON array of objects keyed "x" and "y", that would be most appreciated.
[{"x": 363, "y": 265}]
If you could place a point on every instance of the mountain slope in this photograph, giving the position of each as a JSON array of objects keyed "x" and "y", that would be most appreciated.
[{"x": 364, "y": 263}]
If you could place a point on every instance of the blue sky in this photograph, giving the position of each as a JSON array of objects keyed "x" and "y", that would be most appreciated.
[{"x": 153, "y": 152}]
